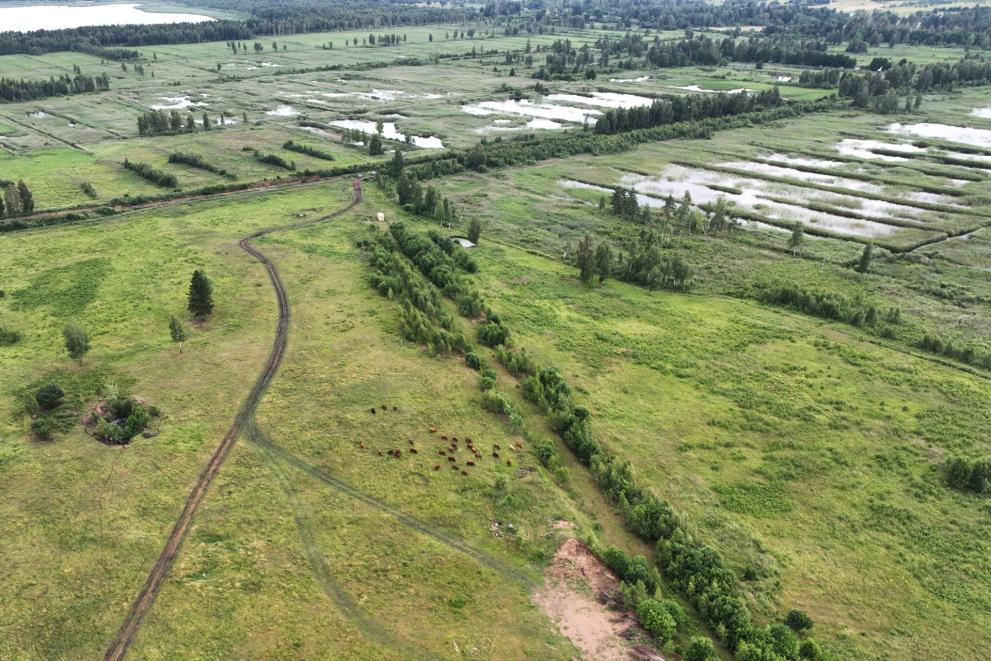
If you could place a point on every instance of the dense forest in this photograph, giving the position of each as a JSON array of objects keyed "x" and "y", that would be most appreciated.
[
  {"x": 967, "y": 27},
  {"x": 12, "y": 90}
]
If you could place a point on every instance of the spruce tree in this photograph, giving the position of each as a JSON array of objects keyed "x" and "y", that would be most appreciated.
[
  {"x": 585, "y": 258},
  {"x": 474, "y": 230},
  {"x": 797, "y": 236},
  {"x": 375, "y": 145},
  {"x": 200, "y": 295},
  {"x": 13, "y": 200},
  {"x": 864, "y": 265}
]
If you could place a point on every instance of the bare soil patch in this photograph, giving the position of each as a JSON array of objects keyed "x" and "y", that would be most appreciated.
[{"x": 576, "y": 592}]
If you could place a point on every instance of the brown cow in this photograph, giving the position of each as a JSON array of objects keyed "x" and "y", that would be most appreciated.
[
  {"x": 471, "y": 463},
  {"x": 495, "y": 454},
  {"x": 373, "y": 410},
  {"x": 443, "y": 438},
  {"x": 380, "y": 452},
  {"x": 451, "y": 459},
  {"x": 413, "y": 451},
  {"x": 464, "y": 472},
  {"x": 362, "y": 445},
  {"x": 496, "y": 446},
  {"x": 441, "y": 452},
  {"x": 433, "y": 430},
  {"x": 437, "y": 467}
]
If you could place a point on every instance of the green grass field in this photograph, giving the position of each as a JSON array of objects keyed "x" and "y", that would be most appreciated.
[{"x": 808, "y": 453}]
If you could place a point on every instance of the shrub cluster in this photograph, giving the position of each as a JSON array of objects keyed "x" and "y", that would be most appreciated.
[
  {"x": 122, "y": 419},
  {"x": 146, "y": 171},
  {"x": 308, "y": 150},
  {"x": 969, "y": 475},
  {"x": 9, "y": 336},
  {"x": 196, "y": 161},
  {"x": 276, "y": 160},
  {"x": 945, "y": 347},
  {"x": 826, "y": 305}
]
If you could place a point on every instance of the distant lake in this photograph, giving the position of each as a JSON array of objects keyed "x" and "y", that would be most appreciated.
[{"x": 56, "y": 17}]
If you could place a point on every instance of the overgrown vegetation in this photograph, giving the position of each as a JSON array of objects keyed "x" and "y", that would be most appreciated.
[{"x": 155, "y": 176}]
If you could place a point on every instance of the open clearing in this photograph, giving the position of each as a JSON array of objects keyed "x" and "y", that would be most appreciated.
[{"x": 805, "y": 446}]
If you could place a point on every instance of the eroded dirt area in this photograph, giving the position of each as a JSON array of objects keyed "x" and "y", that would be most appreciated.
[{"x": 577, "y": 588}]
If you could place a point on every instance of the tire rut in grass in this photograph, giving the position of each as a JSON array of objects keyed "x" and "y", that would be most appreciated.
[
  {"x": 146, "y": 597},
  {"x": 318, "y": 564},
  {"x": 259, "y": 438}
]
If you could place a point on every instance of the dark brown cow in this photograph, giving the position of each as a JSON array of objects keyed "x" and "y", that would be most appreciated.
[
  {"x": 413, "y": 451},
  {"x": 451, "y": 459},
  {"x": 495, "y": 454},
  {"x": 437, "y": 467},
  {"x": 471, "y": 463}
]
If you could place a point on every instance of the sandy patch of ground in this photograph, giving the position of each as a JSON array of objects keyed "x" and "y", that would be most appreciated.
[{"x": 599, "y": 632}]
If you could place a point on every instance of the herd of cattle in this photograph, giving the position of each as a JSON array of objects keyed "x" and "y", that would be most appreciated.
[{"x": 451, "y": 451}]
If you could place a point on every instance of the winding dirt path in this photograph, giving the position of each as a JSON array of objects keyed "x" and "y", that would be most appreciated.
[{"x": 145, "y": 599}]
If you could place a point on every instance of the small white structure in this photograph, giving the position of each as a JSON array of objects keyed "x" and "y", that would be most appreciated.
[
  {"x": 381, "y": 216},
  {"x": 462, "y": 241},
  {"x": 784, "y": 79}
]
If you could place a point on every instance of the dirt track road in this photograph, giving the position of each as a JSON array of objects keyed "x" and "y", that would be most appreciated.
[{"x": 141, "y": 605}]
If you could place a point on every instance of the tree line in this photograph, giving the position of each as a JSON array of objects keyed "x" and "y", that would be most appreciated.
[
  {"x": 14, "y": 90},
  {"x": 673, "y": 108},
  {"x": 149, "y": 173}
]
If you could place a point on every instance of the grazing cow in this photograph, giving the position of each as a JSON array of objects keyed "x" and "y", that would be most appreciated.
[
  {"x": 519, "y": 444},
  {"x": 467, "y": 439},
  {"x": 385, "y": 407},
  {"x": 451, "y": 459},
  {"x": 437, "y": 467},
  {"x": 373, "y": 410},
  {"x": 509, "y": 462},
  {"x": 433, "y": 430},
  {"x": 362, "y": 445},
  {"x": 443, "y": 438},
  {"x": 410, "y": 441},
  {"x": 496, "y": 446},
  {"x": 454, "y": 468},
  {"x": 495, "y": 454},
  {"x": 471, "y": 463},
  {"x": 464, "y": 472},
  {"x": 454, "y": 439},
  {"x": 441, "y": 452},
  {"x": 413, "y": 450},
  {"x": 380, "y": 453}
]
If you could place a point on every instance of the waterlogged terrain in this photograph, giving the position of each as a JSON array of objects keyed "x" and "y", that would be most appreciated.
[{"x": 56, "y": 17}]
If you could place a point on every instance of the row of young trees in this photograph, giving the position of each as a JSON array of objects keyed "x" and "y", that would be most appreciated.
[
  {"x": 694, "y": 568},
  {"x": 672, "y": 109},
  {"x": 15, "y": 90},
  {"x": 17, "y": 199},
  {"x": 149, "y": 173}
]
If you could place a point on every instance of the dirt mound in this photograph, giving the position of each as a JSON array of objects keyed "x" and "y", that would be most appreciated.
[{"x": 576, "y": 587}]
